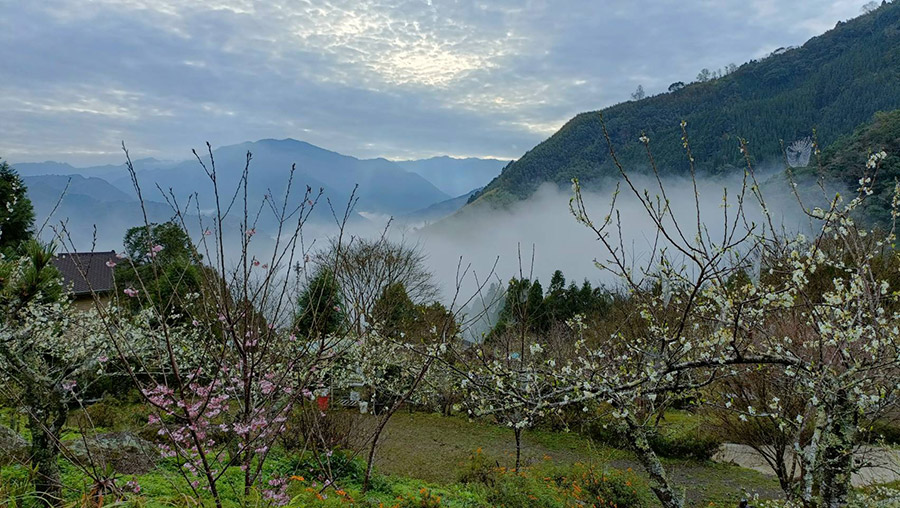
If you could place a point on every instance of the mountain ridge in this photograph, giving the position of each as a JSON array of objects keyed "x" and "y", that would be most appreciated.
[
  {"x": 104, "y": 194},
  {"x": 435, "y": 179},
  {"x": 833, "y": 83}
]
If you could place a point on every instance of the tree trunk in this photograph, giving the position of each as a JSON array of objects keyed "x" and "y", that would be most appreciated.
[
  {"x": 46, "y": 425},
  {"x": 659, "y": 481},
  {"x": 810, "y": 458},
  {"x": 371, "y": 459},
  {"x": 836, "y": 475},
  {"x": 785, "y": 478},
  {"x": 518, "y": 432},
  {"x": 837, "y": 463},
  {"x": 387, "y": 416},
  {"x": 248, "y": 479},
  {"x": 776, "y": 456}
]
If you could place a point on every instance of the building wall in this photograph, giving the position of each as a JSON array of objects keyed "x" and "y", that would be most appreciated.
[{"x": 86, "y": 303}]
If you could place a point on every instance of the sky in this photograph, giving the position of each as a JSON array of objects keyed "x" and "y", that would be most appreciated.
[{"x": 400, "y": 79}]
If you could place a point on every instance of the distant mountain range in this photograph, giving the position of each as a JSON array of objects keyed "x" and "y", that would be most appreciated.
[
  {"x": 833, "y": 83},
  {"x": 437, "y": 211},
  {"x": 87, "y": 203},
  {"x": 455, "y": 176},
  {"x": 104, "y": 195}
]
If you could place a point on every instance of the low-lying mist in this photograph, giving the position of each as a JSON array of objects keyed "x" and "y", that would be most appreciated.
[
  {"x": 539, "y": 235},
  {"x": 534, "y": 237}
]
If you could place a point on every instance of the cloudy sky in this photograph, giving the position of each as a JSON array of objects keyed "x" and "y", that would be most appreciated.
[{"x": 395, "y": 78}]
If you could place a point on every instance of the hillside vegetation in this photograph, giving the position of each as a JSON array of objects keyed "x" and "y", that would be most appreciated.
[
  {"x": 832, "y": 84},
  {"x": 845, "y": 161}
]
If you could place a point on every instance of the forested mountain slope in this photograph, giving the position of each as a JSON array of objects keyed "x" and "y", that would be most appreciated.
[
  {"x": 832, "y": 84},
  {"x": 845, "y": 162}
]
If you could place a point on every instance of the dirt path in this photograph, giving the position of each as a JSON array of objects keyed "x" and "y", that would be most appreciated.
[{"x": 882, "y": 464}]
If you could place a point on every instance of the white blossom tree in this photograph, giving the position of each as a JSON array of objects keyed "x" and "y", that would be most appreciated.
[
  {"x": 709, "y": 306},
  {"x": 49, "y": 355}
]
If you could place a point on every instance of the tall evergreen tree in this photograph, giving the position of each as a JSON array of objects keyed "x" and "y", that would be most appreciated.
[
  {"x": 523, "y": 309},
  {"x": 394, "y": 312},
  {"x": 320, "y": 311},
  {"x": 16, "y": 210},
  {"x": 555, "y": 301}
]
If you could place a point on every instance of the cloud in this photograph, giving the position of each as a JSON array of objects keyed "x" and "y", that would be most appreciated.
[
  {"x": 394, "y": 78},
  {"x": 539, "y": 235}
]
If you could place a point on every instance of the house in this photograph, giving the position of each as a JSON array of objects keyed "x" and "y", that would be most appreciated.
[{"x": 87, "y": 273}]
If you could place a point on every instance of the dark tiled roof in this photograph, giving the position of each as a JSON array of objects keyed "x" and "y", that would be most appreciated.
[{"x": 86, "y": 271}]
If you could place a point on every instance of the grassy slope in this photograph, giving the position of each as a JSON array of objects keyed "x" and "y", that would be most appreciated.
[
  {"x": 432, "y": 448},
  {"x": 428, "y": 450}
]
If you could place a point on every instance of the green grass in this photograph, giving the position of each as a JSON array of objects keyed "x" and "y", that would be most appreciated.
[
  {"x": 432, "y": 448},
  {"x": 427, "y": 451}
]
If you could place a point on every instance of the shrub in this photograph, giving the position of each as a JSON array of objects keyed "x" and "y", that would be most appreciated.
[
  {"x": 109, "y": 413},
  {"x": 479, "y": 469},
  {"x": 114, "y": 386},
  {"x": 340, "y": 467},
  {"x": 523, "y": 490},
  {"x": 104, "y": 414},
  {"x": 606, "y": 487},
  {"x": 16, "y": 486},
  {"x": 883, "y": 432},
  {"x": 549, "y": 486},
  {"x": 508, "y": 488},
  {"x": 690, "y": 444},
  {"x": 675, "y": 442},
  {"x": 307, "y": 426},
  {"x": 425, "y": 499},
  {"x": 606, "y": 433}
]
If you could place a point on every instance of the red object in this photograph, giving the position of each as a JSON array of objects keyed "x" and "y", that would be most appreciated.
[{"x": 322, "y": 401}]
